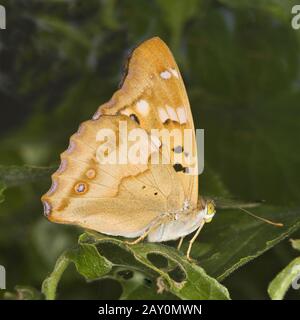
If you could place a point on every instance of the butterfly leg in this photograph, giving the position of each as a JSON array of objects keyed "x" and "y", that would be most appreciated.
[
  {"x": 193, "y": 240},
  {"x": 145, "y": 234},
  {"x": 139, "y": 239},
  {"x": 180, "y": 243}
]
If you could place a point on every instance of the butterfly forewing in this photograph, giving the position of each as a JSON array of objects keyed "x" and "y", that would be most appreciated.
[{"x": 154, "y": 94}]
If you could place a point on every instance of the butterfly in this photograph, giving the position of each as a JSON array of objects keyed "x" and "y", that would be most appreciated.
[{"x": 154, "y": 200}]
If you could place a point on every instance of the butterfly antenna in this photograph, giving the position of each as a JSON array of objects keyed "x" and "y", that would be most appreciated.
[{"x": 276, "y": 224}]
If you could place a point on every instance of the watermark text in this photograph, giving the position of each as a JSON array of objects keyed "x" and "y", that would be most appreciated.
[
  {"x": 2, "y": 278},
  {"x": 296, "y": 18},
  {"x": 2, "y": 18}
]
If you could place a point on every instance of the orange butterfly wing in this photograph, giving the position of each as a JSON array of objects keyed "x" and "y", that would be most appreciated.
[
  {"x": 124, "y": 199},
  {"x": 153, "y": 91}
]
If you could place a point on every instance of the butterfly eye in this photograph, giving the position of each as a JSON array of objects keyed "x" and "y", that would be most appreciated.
[
  {"x": 211, "y": 208},
  {"x": 134, "y": 118},
  {"x": 80, "y": 188}
]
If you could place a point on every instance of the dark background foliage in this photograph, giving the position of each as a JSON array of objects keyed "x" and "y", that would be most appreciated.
[{"x": 60, "y": 59}]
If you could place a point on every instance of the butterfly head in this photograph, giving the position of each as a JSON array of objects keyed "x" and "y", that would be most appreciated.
[{"x": 210, "y": 210}]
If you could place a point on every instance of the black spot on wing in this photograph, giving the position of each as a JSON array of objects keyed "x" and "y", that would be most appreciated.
[{"x": 134, "y": 118}]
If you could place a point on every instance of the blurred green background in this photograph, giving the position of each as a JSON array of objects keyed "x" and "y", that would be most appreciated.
[{"x": 60, "y": 59}]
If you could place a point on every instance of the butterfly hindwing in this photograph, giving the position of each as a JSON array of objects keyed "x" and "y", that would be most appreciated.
[{"x": 117, "y": 199}]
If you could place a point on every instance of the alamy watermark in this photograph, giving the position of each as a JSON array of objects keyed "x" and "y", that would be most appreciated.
[
  {"x": 2, "y": 278},
  {"x": 125, "y": 144},
  {"x": 2, "y": 18},
  {"x": 296, "y": 18}
]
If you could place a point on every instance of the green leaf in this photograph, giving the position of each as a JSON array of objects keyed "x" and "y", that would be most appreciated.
[
  {"x": 295, "y": 243},
  {"x": 49, "y": 285},
  {"x": 196, "y": 283},
  {"x": 279, "y": 286},
  {"x": 234, "y": 238},
  {"x": 88, "y": 262},
  {"x": 193, "y": 284}
]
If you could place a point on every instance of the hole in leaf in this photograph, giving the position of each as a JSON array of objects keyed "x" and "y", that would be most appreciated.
[
  {"x": 158, "y": 260},
  {"x": 147, "y": 282},
  {"x": 126, "y": 274},
  {"x": 177, "y": 274},
  {"x": 115, "y": 254}
]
